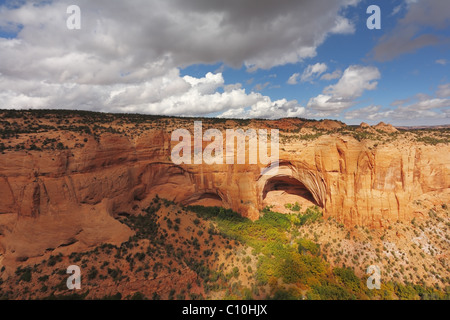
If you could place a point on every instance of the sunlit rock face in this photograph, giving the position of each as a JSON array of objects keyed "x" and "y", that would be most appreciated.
[{"x": 57, "y": 198}]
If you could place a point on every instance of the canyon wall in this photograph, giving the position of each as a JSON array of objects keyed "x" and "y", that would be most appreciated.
[{"x": 54, "y": 199}]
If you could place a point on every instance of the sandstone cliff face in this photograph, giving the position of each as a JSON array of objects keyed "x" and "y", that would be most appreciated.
[
  {"x": 374, "y": 187},
  {"x": 53, "y": 199}
]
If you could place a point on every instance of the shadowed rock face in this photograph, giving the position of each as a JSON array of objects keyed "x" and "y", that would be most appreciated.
[
  {"x": 287, "y": 185},
  {"x": 53, "y": 199}
]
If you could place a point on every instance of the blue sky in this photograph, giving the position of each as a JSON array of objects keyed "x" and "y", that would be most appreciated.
[{"x": 269, "y": 59}]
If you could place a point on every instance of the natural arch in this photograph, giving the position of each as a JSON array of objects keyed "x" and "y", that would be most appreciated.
[
  {"x": 282, "y": 190},
  {"x": 289, "y": 183}
]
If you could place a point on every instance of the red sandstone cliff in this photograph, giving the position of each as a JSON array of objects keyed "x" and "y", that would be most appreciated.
[{"x": 53, "y": 199}]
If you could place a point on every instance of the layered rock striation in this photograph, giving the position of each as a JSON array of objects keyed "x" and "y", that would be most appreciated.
[{"x": 54, "y": 199}]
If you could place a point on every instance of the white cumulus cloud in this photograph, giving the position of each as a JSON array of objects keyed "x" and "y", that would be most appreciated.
[
  {"x": 336, "y": 74},
  {"x": 443, "y": 91},
  {"x": 293, "y": 79},
  {"x": 419, "y": 109},
  {"x": 342, "y": 95},
  {"x": 127, "y": 55},
  {"x": 313, "y": 71}
]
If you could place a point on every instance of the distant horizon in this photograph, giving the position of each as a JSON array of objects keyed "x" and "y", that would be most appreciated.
[{"x": 235, "y": 119}]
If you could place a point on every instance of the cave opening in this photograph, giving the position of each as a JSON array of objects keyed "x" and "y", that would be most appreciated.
[{"x": 283, "y": 192}]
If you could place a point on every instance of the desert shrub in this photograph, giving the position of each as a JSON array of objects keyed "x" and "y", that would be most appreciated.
[
  {"x": 433, "y": 140},
  {"x": 138, "y": 296},
  {"x": 44, "y": 278},
  {"x": 139, "y": 255},
  {"x": 235, "y": 272},
  {"x": 305, "y": 245},
  {"x": 282, "y": 294},
  {"x": 348, "y": 278},
  {"x": 114, "y": 273},
  {"x": 24, "y": 274},
  {"x": 311, "y": 214},
  {"x": 54, "y": 259},
  {"x": 73, "y": 296},
  {"x": 293, "y": 207},
  {"x": 405, "y": 292},
  {"x": 330, "y": 291},
  {"x": 117, "y": 296},
  {"x": 145, "y": 224},
  {"x": 92, "y": 274},
  {"x": 275, "y": 220},
  {"x": 155, "y": 296}
]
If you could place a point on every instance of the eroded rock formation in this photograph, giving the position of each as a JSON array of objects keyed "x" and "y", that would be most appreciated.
[{"x": 54, "y": 199}]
